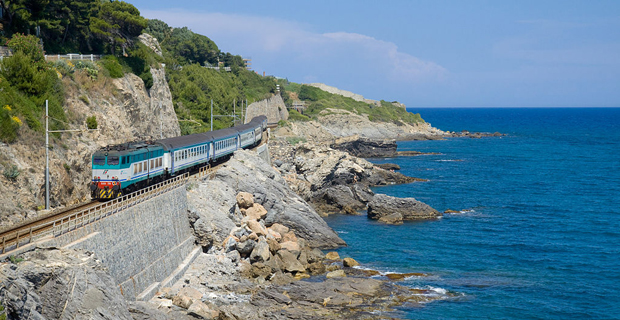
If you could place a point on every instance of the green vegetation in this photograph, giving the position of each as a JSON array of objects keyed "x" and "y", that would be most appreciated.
[
  {"x": 26, "y": 81},
  {"x": 295, "y": 140},
  {"x": 91, "y": 122},
  {"x": 2, "y": 314},
  {"x": 294, "y": 115},
  {"x": 319, "y": 100},
  {"x": 11, "y": 172},
  {"x": 15, "y": 260}
]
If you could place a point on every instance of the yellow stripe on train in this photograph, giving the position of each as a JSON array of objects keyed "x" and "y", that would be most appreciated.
[{"x": 106, "y": 194}]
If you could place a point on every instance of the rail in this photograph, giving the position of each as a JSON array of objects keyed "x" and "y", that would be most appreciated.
[
  {"x": 206, "y": 171},
  {"x": 87, "y": 216}
]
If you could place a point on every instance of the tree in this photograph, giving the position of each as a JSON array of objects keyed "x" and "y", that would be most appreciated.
[{"x": 118, "y": 23}]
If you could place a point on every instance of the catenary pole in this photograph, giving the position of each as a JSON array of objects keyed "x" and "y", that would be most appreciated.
[
  {"x": 47, "y": 158},
  {"x": 211, "y": 114}
]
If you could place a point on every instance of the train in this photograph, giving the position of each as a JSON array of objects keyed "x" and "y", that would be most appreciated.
[{"x": 122, "y": 169}]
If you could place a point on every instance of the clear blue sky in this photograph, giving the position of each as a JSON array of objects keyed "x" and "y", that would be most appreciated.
[{"x": 423, "y": 53}]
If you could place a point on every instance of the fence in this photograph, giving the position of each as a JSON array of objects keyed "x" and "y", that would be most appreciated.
[
  {"x": 86, "y": 216},
  {"x": 71, "y": 56}
]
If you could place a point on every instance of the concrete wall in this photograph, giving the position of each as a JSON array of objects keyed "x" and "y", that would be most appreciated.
[
  {"x": 141, "y": 245},
  {"x": 273, "y": 108}
]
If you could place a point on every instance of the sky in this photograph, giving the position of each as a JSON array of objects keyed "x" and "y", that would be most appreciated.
[{"x": 470, "y": 53}]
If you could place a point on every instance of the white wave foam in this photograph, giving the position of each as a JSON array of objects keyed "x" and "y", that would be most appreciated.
[{"x": 342, "y": 232}]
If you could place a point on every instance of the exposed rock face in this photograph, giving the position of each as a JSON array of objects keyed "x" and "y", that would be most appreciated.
[
  {"x": 408, "y": 208},
  {"x": 60, "y": 284},
  {"x": 338, "y": 123},
  {"x": 124, "y": 109},
  {"x": 215, "y": 206},
  {"x": 366, "y": 148},
  {"x": 332, "y": 180},
  {"x": 273, "y": 108},
  {"x": 150, "y": 42}
]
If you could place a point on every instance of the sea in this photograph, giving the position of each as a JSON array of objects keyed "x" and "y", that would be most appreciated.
[{"x": 537, "y": 229}]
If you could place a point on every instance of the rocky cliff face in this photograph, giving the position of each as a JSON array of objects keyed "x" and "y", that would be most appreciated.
[
  {"x": 215, "y": 205},
  {"x": 336, "y": 123},
  {"x": 273, "y": 108},
  {"x": 125, "y": 111}
]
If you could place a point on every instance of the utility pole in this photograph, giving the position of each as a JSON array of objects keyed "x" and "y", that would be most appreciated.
[
  {"x": 47, "y": 158},
  {"x": 211, "y": 114}
]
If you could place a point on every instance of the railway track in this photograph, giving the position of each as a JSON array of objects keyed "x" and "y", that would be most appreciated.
[{"x": 68, "y": 219}]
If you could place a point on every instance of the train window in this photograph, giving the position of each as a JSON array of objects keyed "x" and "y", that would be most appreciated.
[
  {"x": 159, "y": 162},
  {"x": 152, "y": 163},
  {"x": 99, "y": 160},
  {"x": 135, "y": 168},
  {"x": 112, "y": 160}
]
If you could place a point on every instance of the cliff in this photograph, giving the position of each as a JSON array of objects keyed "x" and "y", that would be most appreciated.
[
  {"x": 273, "y": 108},
  {"x": 125, "y": 111}
]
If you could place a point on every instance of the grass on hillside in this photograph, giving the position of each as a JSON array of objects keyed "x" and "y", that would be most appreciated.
[{"x": 319, "y": 100}]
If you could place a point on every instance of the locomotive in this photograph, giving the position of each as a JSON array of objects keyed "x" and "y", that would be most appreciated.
[{"x": 125, "y": 168}]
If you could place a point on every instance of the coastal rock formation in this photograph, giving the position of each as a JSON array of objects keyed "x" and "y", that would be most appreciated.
[
  {"x": 366, "y": 148},
  {"x": 332, "y": 180},
  {"x": 388, "y": 208},
  {"x": 60, "y": 284},
  {"x": 273, "y": 108},
  {"x": 214, "y": 208},
  {"x": 338, "y": 123}
]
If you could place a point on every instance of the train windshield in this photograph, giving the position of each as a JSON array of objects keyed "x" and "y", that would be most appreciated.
[
  {"x": 112, "y": 160},
  {"x": 99, "y": 160}
]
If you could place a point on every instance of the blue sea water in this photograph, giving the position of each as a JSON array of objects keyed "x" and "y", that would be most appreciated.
[{"x": 539, "y": 234}]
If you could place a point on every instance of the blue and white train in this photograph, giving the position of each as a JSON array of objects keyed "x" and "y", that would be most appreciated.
[{"x": 124, "y": 168}]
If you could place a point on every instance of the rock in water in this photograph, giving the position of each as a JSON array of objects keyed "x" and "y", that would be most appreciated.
[
  {"x": 366, "y": 148},
  {"x": 409, "y": 208}
]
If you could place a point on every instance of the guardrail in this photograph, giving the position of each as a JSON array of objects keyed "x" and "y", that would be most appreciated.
[
  {"x": 84, "y": 217},
  {"x": 71, "y": 56},
  {"x": 204, "y": 172}
]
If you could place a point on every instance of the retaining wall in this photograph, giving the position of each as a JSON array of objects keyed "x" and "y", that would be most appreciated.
[{"x": 141, "y": 245}]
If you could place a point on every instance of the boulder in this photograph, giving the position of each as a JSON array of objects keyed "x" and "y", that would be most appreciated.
[
  {"x": 335, "y": 274},
  {"x": 182, "y": 301},
  {"x": 316, "y": 268},
  {"x": 289, "y": 236},
  {"x": 333, "y": 255},
  {"x": 256, "y": 212},
  {"x": 366, "y": 148},
  {"x": 200, "y": 310},
  {"x": 409, "y": 208},
  {"x": 279, "y": 228},
  {"x": 350, "y": 262},
  {"x": 393, "y": 218},
  {"x": 291, "y": 246},
  {"x": 388, "y": 166},
  {"x": 260, "y": 269},
  {"x": 261, "y": 252},
  {"x": 274, "y": 246},
  {"x": 245, "y": 200},
  {"x": 257, "y": 227},
  {"x": 246, "y": 247},
  {"x": 290, "y": 262},
  {"x": 190, "y": 292}
]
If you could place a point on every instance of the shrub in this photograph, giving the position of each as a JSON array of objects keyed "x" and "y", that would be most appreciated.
[
  {"x": 9, "y": 124},
  {"x": 91, "y": 122},
  {"x": 294, "y": 115},
  {"x": 84, "y": 99},
  {"x": 11, "y": 172},
  {"x": 110, "y": 63},
  {"x": 295, "y": 140},
  {"x": 67, "y": 167}
]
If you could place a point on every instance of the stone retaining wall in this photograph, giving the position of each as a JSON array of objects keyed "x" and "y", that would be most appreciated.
[{"x": 141, "y": 245}]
